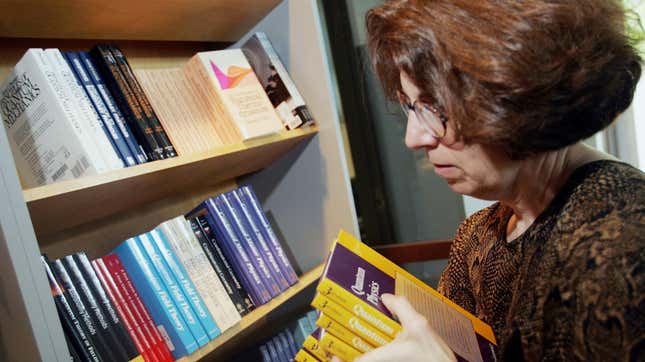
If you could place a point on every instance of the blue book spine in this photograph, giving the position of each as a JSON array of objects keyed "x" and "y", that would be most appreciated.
[
  {"x": 282, "y": 355},
  {"x": 243, "y": 230},
  {"x": 264, "y": 351},
  {"x": 156, "y": 297},
  {"x": 269, "y": 234},
  {"x": 135, "y": 149},
  {"x": 102, "y": 113},
  {"x": 237, "y": 255},
  {"x": 292, "y": 342},
  {"x": 272, "y": 351},
  {"x": 177, "y": 269},
  {"x": 302, "y": 330},
  {"x": 178, "y": 297},
  {"x": 238, "y": 200},
  {"x": 288, "y": 350}
]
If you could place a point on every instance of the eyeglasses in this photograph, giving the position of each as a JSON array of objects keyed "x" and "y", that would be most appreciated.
[{"x": 429, "y": 116}]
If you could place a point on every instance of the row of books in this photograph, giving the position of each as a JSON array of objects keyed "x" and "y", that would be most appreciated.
[
  {"x": 282, "y": 347},
  {"x": 353, "y": 320},
  {"x": 70, "y": 114},
  {"x": 165, "y": 293}
]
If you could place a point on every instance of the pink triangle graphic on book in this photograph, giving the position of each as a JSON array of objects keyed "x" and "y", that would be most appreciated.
[{"x": 233, "y": 78}]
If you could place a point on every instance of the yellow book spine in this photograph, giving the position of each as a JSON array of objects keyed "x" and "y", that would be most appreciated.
[
  {"x": 350, "y": 321},
  {"x": 391, "y": 269},
  {"x": 312, "y": 346},
  {"x": 358, "y": 307},
  {"x": 338, "y": 348},
  {"x": 304, "y": 356},
  {"x": 344, "y": 334}
]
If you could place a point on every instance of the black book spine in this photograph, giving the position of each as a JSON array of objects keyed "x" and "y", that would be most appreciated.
[
  {"x": 73, "y": 351},
  {"x": 118, "y": 330},
  {"x": 207, "y": 228},
  {"x": 126, "y": 101},
  {"x": 71, "y": 324},
  {"x": 216, "y": 263},
  {"x": 114, "y": 350},
  {"x": 140, "y": 95},
  {"x": 79, "y": 308}
]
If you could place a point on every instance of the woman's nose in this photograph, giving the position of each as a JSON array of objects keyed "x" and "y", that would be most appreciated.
[{"x": 416, "y": 136}]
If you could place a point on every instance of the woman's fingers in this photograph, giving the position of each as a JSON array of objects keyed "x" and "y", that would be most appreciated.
[{"x": 402, "y": 309}]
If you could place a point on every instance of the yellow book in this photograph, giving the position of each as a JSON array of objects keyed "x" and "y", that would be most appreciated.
[
  {"x": 337, "y": 347},
  {"x": 356, "y": 276},
  {"x": 350, "y": 321},
  {"x": 312, "y": 345},
  {"x": 138, "y": 358},
  {"x": 344, "y": 334},
  {"x": 304, "y": 356},
  {"x": 368, "y": 313}
]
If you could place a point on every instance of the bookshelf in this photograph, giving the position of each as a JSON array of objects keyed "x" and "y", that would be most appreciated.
[{"x": 300, "y": 177}]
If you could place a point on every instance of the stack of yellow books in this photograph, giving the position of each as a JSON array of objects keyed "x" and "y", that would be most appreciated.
[{"x": 353, "y": 320}]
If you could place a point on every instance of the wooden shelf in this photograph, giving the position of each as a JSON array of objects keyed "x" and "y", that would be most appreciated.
[
  {"x": 201, "y": 20},
  {"x": 63, "y": 205},
  {"x": 250, "y": 322}
]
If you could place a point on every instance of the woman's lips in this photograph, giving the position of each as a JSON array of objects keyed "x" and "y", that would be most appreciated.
[{"x": 444, "y": 170}]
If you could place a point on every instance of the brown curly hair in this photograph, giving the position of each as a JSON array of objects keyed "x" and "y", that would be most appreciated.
[{"x": 529, "y": 76}]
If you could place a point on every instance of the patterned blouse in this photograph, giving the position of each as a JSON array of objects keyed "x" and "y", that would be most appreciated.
[{"x": 572, "y": 286}]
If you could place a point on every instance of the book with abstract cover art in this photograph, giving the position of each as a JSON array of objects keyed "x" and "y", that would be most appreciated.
[
  {"x": 277, "y": 83},
  {"x": 237, "y": 90},
  {"x": 356, "y": 276}
]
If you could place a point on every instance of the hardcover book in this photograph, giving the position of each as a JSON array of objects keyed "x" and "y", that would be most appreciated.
[
  {"x": 209, "y": 286},
  {"x": 133, "y": 327},
  {"x": 72, "y": 327},
  {"x": 238, "y": 91},
  {"x": 202, "y": 231},
  {"x": 157, "y": 298},
  {"x": 156, "y": 335},
  {"x": 304, "y": 356},
  {"x": 45, "y": 145},
  {"x": 337, "y": 347},
  {"x": 344, "y": 334},
  {"x": 128, "y": 145},
  {"x": 140, "y": 96},
  {"x": 97, "y": 131},
  {"x": 277, "y": 83},
  {"x": 234, "y": 250},
  {"x": 195, "y": 300},
  {"x": 312, "y": 345},
  {"x": 127, "y": 102},
  {"x": 97, "y": 107},
  {"x": 274, "y": 243},
  {"x": 356, "y": 276},
  {"x": 241, "y": 227}
]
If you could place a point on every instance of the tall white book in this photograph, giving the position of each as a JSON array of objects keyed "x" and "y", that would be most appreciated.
[
  {"x": 231, "y": 78},
  {"x": 190, "y": 254},
  {"x": 45, "y": 143},
  {"x": 84, "y": 111},
  {"x": 65, "y": 97}
]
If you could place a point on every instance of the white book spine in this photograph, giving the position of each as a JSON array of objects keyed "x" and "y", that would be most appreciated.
[
  {"x": 44, "y": 143},
  {"x": 71, "y": 112},
  {"x": 202, "y": 274},
  {"x": 84, "y": 110}
]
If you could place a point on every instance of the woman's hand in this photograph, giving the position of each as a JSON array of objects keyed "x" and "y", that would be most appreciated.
[{"x": 417, "y": 341}]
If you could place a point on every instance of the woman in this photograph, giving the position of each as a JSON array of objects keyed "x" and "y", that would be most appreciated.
[{"x": 500, "y": 94}]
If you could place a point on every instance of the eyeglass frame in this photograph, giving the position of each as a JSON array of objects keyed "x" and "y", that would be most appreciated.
[{"x": 440, "y": 120}]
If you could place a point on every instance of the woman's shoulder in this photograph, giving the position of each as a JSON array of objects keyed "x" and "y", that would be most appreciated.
[{"x": 603, "y": 190}]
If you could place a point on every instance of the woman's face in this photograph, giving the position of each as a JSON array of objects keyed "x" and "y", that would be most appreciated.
[{"x": 476, "y": 170}]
